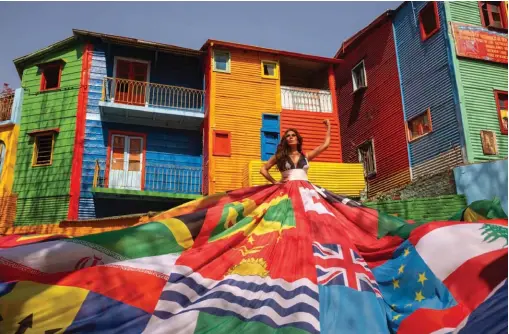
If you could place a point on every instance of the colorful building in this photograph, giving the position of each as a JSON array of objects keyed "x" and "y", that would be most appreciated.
[
  {"x": 10, "y": 112},
  {"x": 447, "y": 62},
  {"x": 114, "y": 125},
  {"x": 371, "y": 111},
  {"x": 453, "y": 102},
  {"x": 478, "y": 47},
  {"x": 253, "y": 95},
  {"x": 108, "y": 118},
  {"x": 142, "y": 138}
]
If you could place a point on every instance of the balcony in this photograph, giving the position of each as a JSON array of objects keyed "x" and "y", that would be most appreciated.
[
  {"x": 346, "y": 179},
  {"x": 151, "y": 180},
  {"x": 146, "y": 103},
  {"x": 6, "y": 106},
  {"x": 306, "y": 99}
]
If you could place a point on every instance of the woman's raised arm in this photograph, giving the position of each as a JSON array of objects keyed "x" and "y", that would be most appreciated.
[{"x": 316, "y": 152}]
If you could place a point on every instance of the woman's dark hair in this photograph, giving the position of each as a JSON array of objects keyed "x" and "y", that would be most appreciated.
[{"x": 283, "y": 149}]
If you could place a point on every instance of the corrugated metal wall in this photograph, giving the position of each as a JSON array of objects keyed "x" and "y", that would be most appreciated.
[
  {"x": 43, "y": 192},
  {"x": 427, "y": 82},
  {"x": 377, "y": 112},
  {"x": 341, "y": 178},
  {"x": 433, "y": 208},
  {"x": 478, "y": 80},
  {"x": 92, "y": 149},
  {"x": 240, "y": 98},
  {"x": 7, "y": 210},
  {"x": 311, "y": 128}
]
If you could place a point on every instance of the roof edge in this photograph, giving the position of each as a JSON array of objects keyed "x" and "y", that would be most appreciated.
[
  {"x": 137, "y": 42},
  {"x": 20, "y": 61},
  {"x": 361, "y": 33},
  {"x": 272, "y": 51}
]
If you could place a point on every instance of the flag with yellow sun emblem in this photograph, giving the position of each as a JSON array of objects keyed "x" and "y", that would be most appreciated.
[{"x": 290, "y": 258}]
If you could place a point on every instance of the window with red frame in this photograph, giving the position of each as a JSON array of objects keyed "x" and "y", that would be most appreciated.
[
  {"x": 429, "y": 21},
  {"x": 50, "y": 78},
  {"x": 501, "y": 99},
  {"x": 222, "y": 143},
  {"x": 493, "y": 14},
  {"x": 419, "y": 126}
]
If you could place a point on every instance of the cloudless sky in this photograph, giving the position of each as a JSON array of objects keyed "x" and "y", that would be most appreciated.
[{"x": 316, "y": 28}]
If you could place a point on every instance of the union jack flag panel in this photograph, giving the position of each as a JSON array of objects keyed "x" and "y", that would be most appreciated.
[{"x": 340, "y": 265}]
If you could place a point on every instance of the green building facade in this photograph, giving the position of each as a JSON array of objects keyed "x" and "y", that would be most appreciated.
[
  {"x": 51, "y": 80},
  {"x": 480, "y": 82}
]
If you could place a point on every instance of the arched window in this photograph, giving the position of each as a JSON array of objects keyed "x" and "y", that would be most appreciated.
[{"x": 2, "y": 156}]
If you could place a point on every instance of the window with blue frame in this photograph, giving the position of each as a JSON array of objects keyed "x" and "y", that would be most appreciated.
[
  {"x": 269, "y": 135},
  {"x": 222, "y": 61}
]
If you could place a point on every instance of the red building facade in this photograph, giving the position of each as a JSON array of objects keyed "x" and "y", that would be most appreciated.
[{"x": 371, "y": 118}]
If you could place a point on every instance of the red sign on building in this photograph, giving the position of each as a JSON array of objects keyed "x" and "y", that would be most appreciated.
[{"x": 479, "y": 43}]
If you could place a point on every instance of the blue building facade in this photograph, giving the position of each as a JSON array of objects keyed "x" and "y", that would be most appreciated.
[
  {"x": 429, "y": 94},
  {"x": 143, "y": 131}
]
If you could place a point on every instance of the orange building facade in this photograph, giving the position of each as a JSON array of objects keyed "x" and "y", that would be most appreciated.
[{"x": 253, "y": 95}]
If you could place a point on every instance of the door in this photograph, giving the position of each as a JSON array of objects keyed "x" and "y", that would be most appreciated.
[
  {"x": 131, "y": 82},
  {"x": 269, "y": 135},
  {"x": 270, "y": 140},
  {"x": 126, "y": 166}
]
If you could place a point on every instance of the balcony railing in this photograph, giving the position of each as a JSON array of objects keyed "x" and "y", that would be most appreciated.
[
  {"x": 6, "y": 103},
  {"x": 147, "y": 94},
  {"x": 160, "y": 178},
  {"x": 293, "y": 98}
]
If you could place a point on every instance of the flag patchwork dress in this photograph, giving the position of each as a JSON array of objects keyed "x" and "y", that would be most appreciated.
[{"x": 285, "y": 258}]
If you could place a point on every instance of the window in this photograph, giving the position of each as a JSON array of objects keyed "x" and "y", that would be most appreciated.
[
  {"x": 359, "y": 77},
  {"x": 222, "y": 61},
  {"x": 131, "y": 78},
  {"x": 269, "y": 69},
  {"x": 222, "y": 143},
  {"x": 2, "y": 156},
  {"x": 367, "y": 158},
  {"x": 429, "y": 20},
  {"x": 493, "y": 14},
  {"x": 51, "y": 74},
  {"x": 43, "y": 149},
  {"x": 501, "y": 100},
  {"x": 419, "y": 126}
]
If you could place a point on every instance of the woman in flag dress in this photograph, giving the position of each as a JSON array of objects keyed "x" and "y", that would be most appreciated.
[
  {"x": 287, "y": 257},
  {"x": 289, "y": 158}
]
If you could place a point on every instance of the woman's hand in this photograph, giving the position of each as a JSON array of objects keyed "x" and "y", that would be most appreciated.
[{"x": 327, "y": 123}]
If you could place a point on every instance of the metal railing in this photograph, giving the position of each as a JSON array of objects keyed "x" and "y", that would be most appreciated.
[
  {"x": 161, "y": 178},
  {"x": 141, "y": 93},
  {"x": 6, "y": 103},
  {"x": 305, "y": 99}
]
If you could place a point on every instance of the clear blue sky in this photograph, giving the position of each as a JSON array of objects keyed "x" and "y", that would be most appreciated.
[{"x": 308, "y": 27}]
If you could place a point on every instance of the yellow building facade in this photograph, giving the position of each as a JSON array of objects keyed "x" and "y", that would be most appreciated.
[{"x": 10, "y": 113}]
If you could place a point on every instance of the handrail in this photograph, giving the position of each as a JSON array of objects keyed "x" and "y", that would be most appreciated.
[{"x": 156, "y": 177}]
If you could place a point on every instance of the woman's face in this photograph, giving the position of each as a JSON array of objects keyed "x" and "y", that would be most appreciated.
[{"x": 291, "y": 138}]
